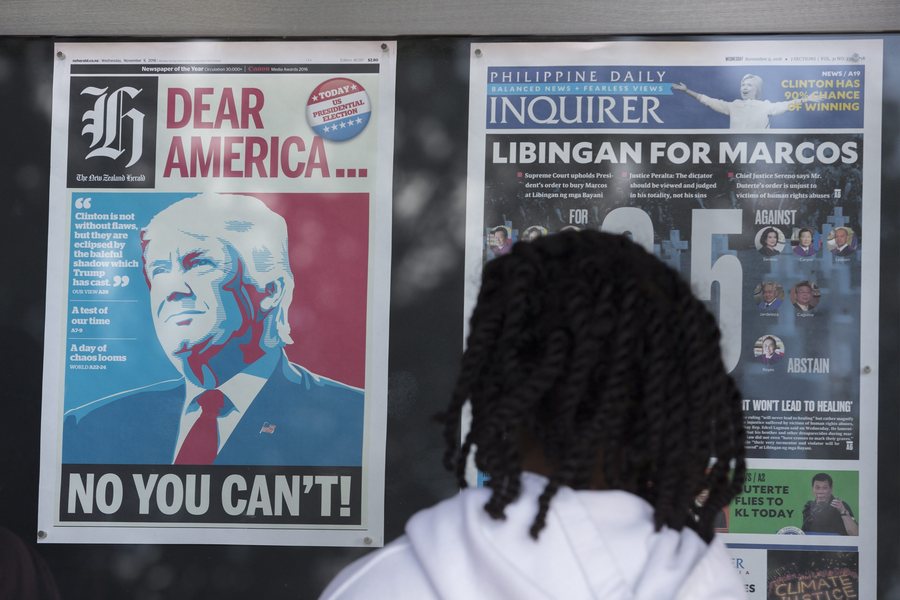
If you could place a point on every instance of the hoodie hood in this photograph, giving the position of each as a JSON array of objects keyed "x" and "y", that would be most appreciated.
[{"x": 596, "y": 544}]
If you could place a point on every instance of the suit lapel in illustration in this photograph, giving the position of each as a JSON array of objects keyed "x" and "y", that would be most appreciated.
[{"x": 248, "y": 444}]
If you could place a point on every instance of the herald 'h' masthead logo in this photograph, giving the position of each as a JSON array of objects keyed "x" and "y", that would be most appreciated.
[
  {"x": 112, "y": 132},
  {"x": 106, "y": 120}
]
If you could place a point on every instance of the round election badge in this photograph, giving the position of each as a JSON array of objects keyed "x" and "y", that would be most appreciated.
[{"x": 338, "y": 109}]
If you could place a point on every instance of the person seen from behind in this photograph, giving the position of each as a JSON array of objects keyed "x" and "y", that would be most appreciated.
[{"x": 600, "y": 410}]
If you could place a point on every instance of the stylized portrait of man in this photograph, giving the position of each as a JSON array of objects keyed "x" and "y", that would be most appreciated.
[
  {"x": 750, "y": 111},
  {"x": 771, "y": 301},
  {"x": 825, "y": 514},
  {"x": 220, "y": 283}
]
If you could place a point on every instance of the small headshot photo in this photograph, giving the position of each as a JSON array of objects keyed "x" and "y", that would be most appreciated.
[
  {"x": 827, "y": 514},
  {"x": 770, "y": 241},
  {"x": 768, "y": 350},
  {"x": 533, "y": 233},
  {"x": 499, "y": 241},
  {"x": 842, "y": 241},
  {"x": 768, "y": 296},
  {"x": 805, "y": 296},
  {"x": 805, "y": 242}
]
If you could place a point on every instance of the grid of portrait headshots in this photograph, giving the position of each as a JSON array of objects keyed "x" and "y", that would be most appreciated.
[
  {"x": 770, "y": 298},
  {"x": 806, "y": 242},
  {"x": 499, "y": 239},
  {"x": 804, "y": 296},
  {"x": 770, "y": 241}
]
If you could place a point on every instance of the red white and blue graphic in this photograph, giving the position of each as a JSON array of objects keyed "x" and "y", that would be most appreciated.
[{"x": 338, "y": 109}]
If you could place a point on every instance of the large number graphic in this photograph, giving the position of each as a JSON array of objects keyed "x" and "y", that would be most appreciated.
[
  {"x": 726, "y": 270},
  {"x": 627, "y": 219}
]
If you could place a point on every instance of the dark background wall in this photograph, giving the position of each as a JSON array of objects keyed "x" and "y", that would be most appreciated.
[{"x": 425, "y": 333}]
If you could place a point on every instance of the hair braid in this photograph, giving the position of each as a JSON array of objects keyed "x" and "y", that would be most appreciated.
[
  {"x": 621, "y": 384},
  {"x": 655, "y": 385}
]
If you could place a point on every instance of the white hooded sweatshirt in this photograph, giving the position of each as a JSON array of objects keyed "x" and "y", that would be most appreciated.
[{"x": 596, "y": 545}]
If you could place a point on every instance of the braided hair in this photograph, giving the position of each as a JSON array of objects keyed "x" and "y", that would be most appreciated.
[{"x": 599, "y": 353}]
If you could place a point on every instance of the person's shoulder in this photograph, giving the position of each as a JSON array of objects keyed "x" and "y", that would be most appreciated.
[
  {"x": 126, "y": 400},
  {"x": 391, "y": 572},
  {"x": 298, "y": 391},
  {"x": 713, "y": 577},
  {"x": 299, "y": 375},
  {"x": 137, "y": 426}
]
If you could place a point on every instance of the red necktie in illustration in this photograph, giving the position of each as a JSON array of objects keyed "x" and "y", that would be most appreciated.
[{"x": 202, "y": 442}]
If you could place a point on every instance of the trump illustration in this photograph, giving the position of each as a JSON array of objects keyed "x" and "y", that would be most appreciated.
[{"x": 218, "y": 274}]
